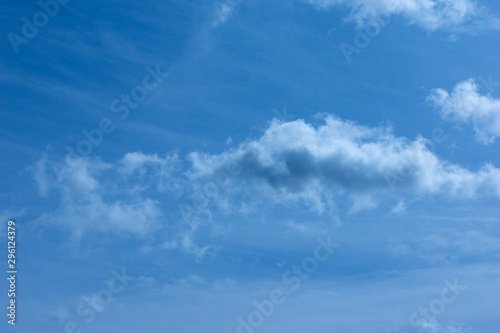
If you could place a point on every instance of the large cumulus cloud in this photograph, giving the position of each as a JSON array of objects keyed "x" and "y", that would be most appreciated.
[{"x": 297, "y": 156}]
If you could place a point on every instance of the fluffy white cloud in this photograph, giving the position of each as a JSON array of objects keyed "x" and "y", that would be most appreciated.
[
  {"x": 293, "y": 162},
  {"x": 122, "y": 197},
  {"x": 429, "y": 14},
  {"x": 301, "y": 160},
  {"x": 93, "y": 214},
  {"x": 467, "y": 106},
  {"x": 97, "y": 196}
]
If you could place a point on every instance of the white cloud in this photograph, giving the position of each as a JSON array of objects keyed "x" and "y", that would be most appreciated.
[
  {"x": 120, "y": 197},
  {"x": 96, "y": 197},
  {"x": 151, "y": 171},
  {"x": 362, "y": 202},
  {"x": 467, "y": 106},
  {"x": 296, "y": 160},
  {"x": 306, "y": 229},
  {"x": 433, "y": 326},
  {"x": 93, "y": 214},
  {"x": 428, "y": 14},
  {"x": 186, "y": 243},
  {"x": 292, "y": 163},
  {"x": 399, "y": 208},
  {"x": 224, "y": 9}
]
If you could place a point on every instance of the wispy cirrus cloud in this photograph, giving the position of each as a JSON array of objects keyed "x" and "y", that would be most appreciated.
[{"x": 466, "y": 105}]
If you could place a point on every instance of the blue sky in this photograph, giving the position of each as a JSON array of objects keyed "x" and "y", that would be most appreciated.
[{"x": 187, "y": 166}]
